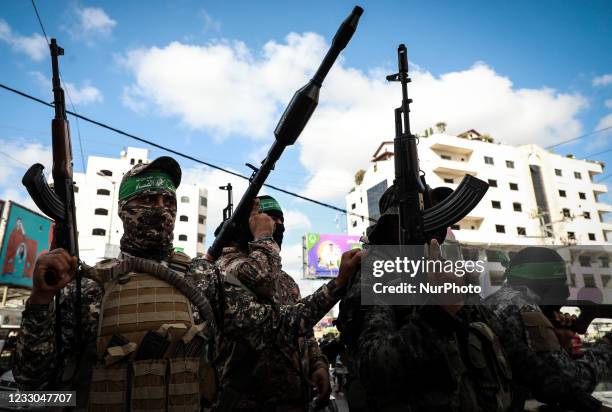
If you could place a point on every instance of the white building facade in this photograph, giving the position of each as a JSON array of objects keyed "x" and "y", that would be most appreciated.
[
  {"x": 535, "y": 197},
  {"x": 96, "y": 197}
]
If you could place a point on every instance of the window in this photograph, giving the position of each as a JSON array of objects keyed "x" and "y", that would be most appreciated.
[
  {"x": 354, "y": 223},
  {"x": 571, "y": 235},
  {"x": 592, "y": 236},
  {"x": 200, "y": 238},
  {"x": 517, "y": 207},
  {"x": 582, "y": 195},
  {"x": 373, "y": 196},
  {"x": 495, "y": 204},
  {"x": 605, "y": 279},
  {"x": 585, "y": 261},
  {"x": 183, "y": 218},
  {"x": 500, "y": 228},
  {"x": 558, "y": 172},
  {"x": 577, "y": 175},
  {"x": 100, "y": 211},
  {"x": 448, "y": 180},
  {"x": 562, "y": 193},
  {"x": 492, "y": 182},
  {"x": 493, "y": 255},
  {"x": 566, "y": 212},
  {"x": 353, "y": 206},
  {"x": 98, "y": 232},
  {"x": 488, "y": 160},
  {"x": 184, "y": 199},
  {"x": 604, "y": 262},
  {"x": 455, "y": 227},
  {"x": 183, "y": 238},
  {"x": 513, "y": 186},
  {"x": 509, "y": 164},
  {"x": 521, "y": 231},
  {"x": 201, "y": 219},
  {"x": 131, "y": 161},
  {"x": 445, "y": 157},
  {"x": 469, "y": 254},
  {"x": 76, "y": 189},
  {"x": 203, "y": 201},
  {"x": 103, "y": 192},
  {"x": 106, "y": 172},
  {"x": 586, "y": 215},
  {"x": 589, "y": 280}
]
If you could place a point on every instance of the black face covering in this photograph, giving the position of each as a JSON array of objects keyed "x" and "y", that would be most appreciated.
[{"x": 279, "y": 230}]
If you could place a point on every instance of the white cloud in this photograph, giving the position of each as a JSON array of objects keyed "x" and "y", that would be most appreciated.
[
  {"x": 210, "y": 24},
  {"x": 604, "y": 122},
  {"x": 84, "y": 95},
  {"x": 16, "y": 157},
  {"x": 94, "y": 20},
  {"x": 291, "y": 256},
  {"x": 295, "y": 220},
  {"x": 608, "y": 103},
  {"x": 204, "y": 86},
  {"x": 603, "y": 80},
  {"x": 35, "y": 46}
]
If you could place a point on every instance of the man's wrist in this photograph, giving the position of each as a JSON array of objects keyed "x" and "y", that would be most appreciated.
[
  {"x": 37, "y": 298},
  {"x": 336, "y": 288}
]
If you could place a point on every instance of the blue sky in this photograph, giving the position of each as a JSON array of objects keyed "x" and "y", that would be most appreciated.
[{"x": 211, "y": 79}]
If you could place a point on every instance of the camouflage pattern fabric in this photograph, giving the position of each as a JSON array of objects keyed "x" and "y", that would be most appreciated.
[
  {"x": 279, "y": 372},
  {"x": 581, "y": 374},
  {"x": 393, "y": 349},
  {"x": 36, "y": 358}
]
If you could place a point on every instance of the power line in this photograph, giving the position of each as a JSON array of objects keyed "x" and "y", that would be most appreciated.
[
  {"x": 183, "y": 155},
  {"x": 12, "y": 158},
  {"x": 42, "y": 27},
  {"x": 579, "y": 137},
  {"x": 605, "y": 177},
  {"x": 599, "y": 153}
]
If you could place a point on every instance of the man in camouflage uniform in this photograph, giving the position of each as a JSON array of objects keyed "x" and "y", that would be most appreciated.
[
  {"x": 535, "y": 276},
  {"x": 279, "y": 373},
  {"x": 148, "y": 212},
  {"x": 147, "y": 208},
  {"x": 448, "y": 356}
]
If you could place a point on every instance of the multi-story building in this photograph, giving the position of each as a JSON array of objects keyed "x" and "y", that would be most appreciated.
[
  {"x": 99, "y": 226},
  {"x": 534, "y": 197}
]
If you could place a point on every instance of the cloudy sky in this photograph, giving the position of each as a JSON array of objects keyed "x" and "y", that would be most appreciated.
[{"x": 211, "y": 80}]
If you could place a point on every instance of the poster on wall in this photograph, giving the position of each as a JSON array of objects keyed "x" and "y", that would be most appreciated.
[
  {"x": 323, "y": 252},
  {"x": 27, "y": 235}
]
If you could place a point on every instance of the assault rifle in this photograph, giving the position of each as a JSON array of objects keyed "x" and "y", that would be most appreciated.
[
  {"x": 588, "y": 312},
  {"x": 58, "y": 202},
  {"x": 419, "y": 220},
  {"x": 291, "y": 124}
]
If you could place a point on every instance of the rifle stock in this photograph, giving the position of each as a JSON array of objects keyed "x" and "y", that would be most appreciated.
[{"x": 289, "y": 128}]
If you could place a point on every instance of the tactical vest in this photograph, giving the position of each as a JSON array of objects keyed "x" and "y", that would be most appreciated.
[
  {"x": 482, "y": 378},
  {"x": 150, "y": 355}
]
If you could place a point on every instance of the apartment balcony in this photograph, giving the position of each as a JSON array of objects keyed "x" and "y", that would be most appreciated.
[
  {"x": 458, "y": 149},
  {"x": 604, "y": 207},
  {"x": 599, "y": 188},
  {"x": 454, "y": 168}
]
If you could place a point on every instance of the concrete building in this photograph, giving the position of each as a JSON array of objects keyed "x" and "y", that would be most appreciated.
[
  {"x": 535, "y": 196},
  {"x": 100, "y": 228}
]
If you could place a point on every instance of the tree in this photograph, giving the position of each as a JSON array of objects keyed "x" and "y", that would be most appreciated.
[
  {"x": 359, "y": 176},
  {"x": 441, "y": 126}
]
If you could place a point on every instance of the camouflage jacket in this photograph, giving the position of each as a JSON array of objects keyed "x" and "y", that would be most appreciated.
[
  {"x": 278, "y": 372},
  {"x": 582, "y": 374},
  {"x": 36, "y": 357},
  {"x": 404, "y": 361}
]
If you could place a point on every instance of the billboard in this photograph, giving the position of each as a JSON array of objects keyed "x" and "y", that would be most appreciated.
[
  {"x": 26, "y": 236},
  {"x": 322, "y": 253}
]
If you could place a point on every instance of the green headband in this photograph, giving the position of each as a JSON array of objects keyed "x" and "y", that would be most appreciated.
[
  {"x": 145, "y": 182},
  {"x": 538, "y": 271},
  {"x": 269, "y": 203}
]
